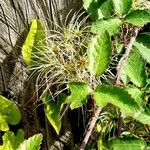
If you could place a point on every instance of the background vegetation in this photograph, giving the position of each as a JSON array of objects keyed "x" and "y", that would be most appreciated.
[{"x": 74, "y": 77}]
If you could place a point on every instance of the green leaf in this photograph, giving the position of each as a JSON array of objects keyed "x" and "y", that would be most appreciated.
[
  {"x": 136, "y": 94},
  {"x": 125, "y": 79},
  {"x": 79, "y": 93},
  {"x": 52, "y": 110},
  {"x": 143, "y": 116},
  {"x": 106, "y": 10},
  {"x": 127, "y": 143},
  {"x": 138, "y": 17},
  {"x": 33, "y": 143},
  {"x": 12, "y": 142},
  {"x": 135, "y": 68},
  {"x": 118, "y": 97},
  {"x": 100, "y": 143},
  {"x": 122, "y": 7},
  {"x": 148, "y": 146},
  {"x": 9, "y": 112},
  {"x": 34, "y": 43},
  {"x": 143, "y": 45},
  {"x": 88, "y": 3},
  {"x": 111, "y": 25},
  {"x": 99, "y": 54},
  {"x": 98, "y": 9},
  {"x": 3, "y": 123}
]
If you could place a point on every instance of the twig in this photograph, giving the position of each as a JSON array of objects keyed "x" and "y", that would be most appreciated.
[
  {"x": 117, "y": 81},
  {"x": 125, "y": 56},
  {"x": 120, "y": 122},
  {"x": 3, "y": 78},
  {"x": 91, "y": 127}
]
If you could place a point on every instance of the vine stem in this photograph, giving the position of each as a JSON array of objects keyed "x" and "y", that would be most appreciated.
[
  {"x": 125, "y": 56},
  {"x": 90, "y": 129},
  {"x": 117, "y": 82}
]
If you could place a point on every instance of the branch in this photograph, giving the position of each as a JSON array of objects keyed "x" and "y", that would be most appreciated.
[
  {"x": 90, "y": 129},
  {"x": 125, "y": 56},
  {"x": 117, "y": 81}
]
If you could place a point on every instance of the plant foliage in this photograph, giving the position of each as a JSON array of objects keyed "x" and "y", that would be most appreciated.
[
  {"x": 127, "y": 143},
  {"x": 77, "y": 100},
  {"x": 135, "y": 68},
  {"x": 11, "y": 141},
  {"x": 35, "y": 43},
  {"x": 33, "y": 143},
  {"x": 9, "y": 113},
  {"x": 105, "y": 94},
  {"x": 76, "y": 64},
  {"x": 99, "y": 53}
]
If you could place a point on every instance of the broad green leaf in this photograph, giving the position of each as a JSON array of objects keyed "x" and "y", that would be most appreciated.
[
  {"x": 98, "y": 9},
  {"x": 127, "y": 143},
  {"x": 135, "y": 68},
  {"x": 106, "y": 10},
  {"x": 9, "y": 111},
  {"x": 33, "y": 143},
  {"x": 125, "y": 79},
  {"x": 3, "y": 123},
  {"x": 136, "y": 94},
  {"x": 138, "y": 17},
  {"x": 122, "y": 7},
  {"x": 35, "y": 43},
  {"x": 79, "y": 93},
  {"x": 52, "y": 110},
  {"x": 143, "y": 45},
  {"x": 89, "y": 3},
  {"x": 111, "y": 25},
  {"x": 99, "y": 53},
  {"x": 12, "y": 142},
  {"x": 118, "y": 97},
  {"x": 143, "y": 116}
]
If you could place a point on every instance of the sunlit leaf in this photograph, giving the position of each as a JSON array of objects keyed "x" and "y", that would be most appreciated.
[
  {"x": 3, "y": 123},
  {"x": 127, "y": 143},
  {"x": 100, "y": 143},
  {"x": 106, "y": 10},
  {"x": 12, "y": 141},
  {"x": 138, "y": 17},
  {"x": 118, "y": 97},
  {"x": 52, "y": 110},
  {"x": 88, "y": 3},
  {"x": 143, "y": 45},
  {"x": 98, "y": 9},
  {"x": 99, "y": 53},
  {"x": 79, "y": 93},
  {"x": 135, "y": 68},
  {"x": 143, "y": 116},
  {"x": 33, "y": 143},
  {"x": 9, "y": 112},
  {"x": 34, "y": 43},
  {"x": 112, "y": 26},
  {"x": 122, "y": 7},
  {"x": 125, "y": 79},
  {"x": 136, "y": 94}
]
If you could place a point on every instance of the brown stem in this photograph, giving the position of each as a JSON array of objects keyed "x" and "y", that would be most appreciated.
[
  {"x": 120, "y": 122},
  {"x": 117, "y": 81},
  {"x": 90, "y": 129},
  {"x": 125, "y": 56}
]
